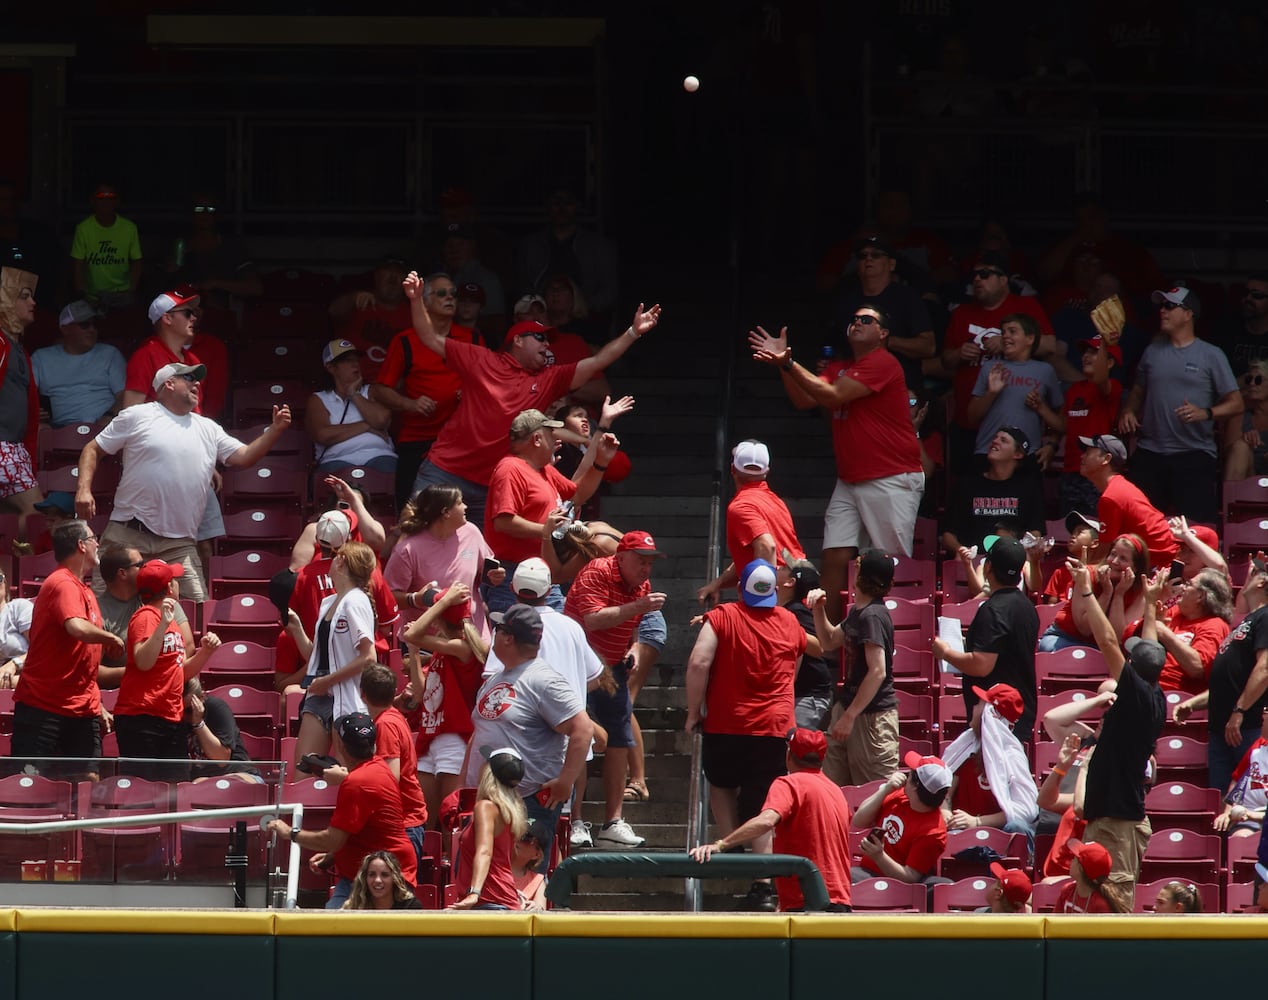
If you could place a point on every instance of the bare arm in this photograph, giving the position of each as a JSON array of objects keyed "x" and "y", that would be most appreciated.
[
  {"x": 85, "y": 505},
  {"x": 485, "y": 821},
  {"x": 699, "y": 665},
  {"x": 413, "y": 286},
  {"x": 1230, "y": 404},
  {"x": 869, "y": 810},
  {"x": 830, "y": 636},
  {"x": 644, "y": 322},
  {"x": 1102, "y": 631}
]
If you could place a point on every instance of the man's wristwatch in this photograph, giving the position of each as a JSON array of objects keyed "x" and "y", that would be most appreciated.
[
  {"x": 294, "y": 835},
  {"x": 787, "y": 365},
  {"x": 473, "y": 891}
]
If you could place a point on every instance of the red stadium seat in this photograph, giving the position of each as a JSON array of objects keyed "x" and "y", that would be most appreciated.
[
  {"x": 28, "y": 798},
  {"x": 953, "y": 718},
  {"x": 1245, "y": 499},
  {"x": 1181, "y": 854},
  {"x": 1177, "y": 804},
  {"x": 963, "y": 896},
  {"x": 1181, "y": 759},
  {"x": 1075, "y": 668},
  {"x": 201, "y": 845},
  {"x": 1047, "y": 702},
  {"x": 31, "y": 571},
  {"x": 887, "y": 895},
  {"x": 915, "y": 715},
  {"x": 1239, "y": 897},
  {"x": 1043, "y": 898},
  {"x": 266, "y": 484},
  {"x": 856, "y": 795},
  {"x": 379, "y": 488},
  {"x": 276, "y": 356},
  {"x": 255, "y": 711},
  {"x": 1010, "y": 847},
  {"x": 908, "y": 618},
  {"x": 61, "y": 445},
  {"x": 245, "y": 572},
  {"x": 924, "y": 542},
  {"x": 962, "y": 612},
  {"x": 1196, "y": 722},
  {"x": 245, "y": 617},
  {"x": 1047, "y": 615},
  {"x": 914, "y": 579},
  {"x": 270, "y": 530},
  {"x": 253, "y": 403},
  {"x": 318, "y": 799},
  {"x": 299, "y": 285},
  {"x": 246, "y": 663},
  {"x": 125, "y": 854},
  {"x": 1241, "y": 854},
  {"x": 259, "y": 747},
  {"x": 914, "y": 670},
  {"x": 1244, "y": 538}
]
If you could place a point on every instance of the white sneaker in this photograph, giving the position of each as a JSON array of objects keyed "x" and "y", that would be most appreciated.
[
  {"x": 618, "y": 834},
  {"x": 580, "y": 836}
]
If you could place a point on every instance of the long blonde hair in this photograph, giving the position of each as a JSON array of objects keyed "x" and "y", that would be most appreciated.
[{"x": 509, "y": 804}]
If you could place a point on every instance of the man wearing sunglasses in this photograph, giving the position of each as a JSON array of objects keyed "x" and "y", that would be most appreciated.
[
  {"x": 880, "y": 480},
  {"x": 1244, "y": 337},
  {"x": 169, "y": 453},
  {"x": 974, "y": 338},
  {"x": 82, "y": 378},
  {"x": 1184, "y": 386},
  {"x": 496, "y": 387}
]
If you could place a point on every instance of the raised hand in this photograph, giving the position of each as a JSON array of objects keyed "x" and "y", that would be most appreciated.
[
  {"x": 645, "y": 320},
  {"x": 412, "y": 286},
  {"x": 770, "y": 350},
  {"x": 611, "y": 410}
]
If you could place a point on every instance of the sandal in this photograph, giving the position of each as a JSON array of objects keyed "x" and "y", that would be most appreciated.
[{"x": 636, "y": 791}]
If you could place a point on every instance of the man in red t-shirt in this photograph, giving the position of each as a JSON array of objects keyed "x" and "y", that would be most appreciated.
[
  {"x": 174, "y": 315},
  {"x": 368, "y": 815},
  {"x": 415, "y": 382},
  {"x": 609, "y": 598},
  {"x": 525, "y": 489},
  {"x": 740, "y": 693},
  {"x": 495, "y": 387},
  {"x": 395, "y": 744},
  {"x": 758, "y": 522},
  {"x": 810, "y": 819},
  {"x": 880, "y": 481},
  {"x": 1122, "y": 508},
  {"x": 57, "y": 708},
  {"x": 908, "y": 833}
]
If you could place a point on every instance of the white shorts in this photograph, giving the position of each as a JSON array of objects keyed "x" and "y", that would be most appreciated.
[
  {"x": 877, "y": 513},
  {"x": 444, "y": 756}
]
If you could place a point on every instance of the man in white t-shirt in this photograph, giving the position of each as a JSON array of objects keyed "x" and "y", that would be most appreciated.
[{"x": 169, "y": 453}]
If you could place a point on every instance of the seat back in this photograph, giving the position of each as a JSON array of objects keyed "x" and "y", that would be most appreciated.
[{"x": 889, "y": 895}]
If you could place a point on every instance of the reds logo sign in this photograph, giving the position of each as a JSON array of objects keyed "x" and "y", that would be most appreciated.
[
  {"x": 341, "y": 624},
  {"x": 495, "y": 701},
  {"x": 892, "y": 827}
]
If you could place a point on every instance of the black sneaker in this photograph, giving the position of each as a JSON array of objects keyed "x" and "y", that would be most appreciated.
[{"x": 760, "y": 898}]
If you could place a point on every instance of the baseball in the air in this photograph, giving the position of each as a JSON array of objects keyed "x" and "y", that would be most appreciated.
[{"x": 690, "y": 85}]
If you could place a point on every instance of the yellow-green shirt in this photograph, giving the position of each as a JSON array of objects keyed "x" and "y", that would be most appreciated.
[{"x": 107, "y": 252}]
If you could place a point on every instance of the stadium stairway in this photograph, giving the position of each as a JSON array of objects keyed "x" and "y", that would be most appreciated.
[{"x": 670, "y": 437}]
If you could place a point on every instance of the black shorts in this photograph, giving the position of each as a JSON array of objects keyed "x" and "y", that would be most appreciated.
[
  {"x": 749, "y": 763},
  {"x": 40, "y": 734}
]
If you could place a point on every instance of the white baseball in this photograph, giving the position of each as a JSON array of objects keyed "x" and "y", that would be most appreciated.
[{"x": 690, "y": 84}]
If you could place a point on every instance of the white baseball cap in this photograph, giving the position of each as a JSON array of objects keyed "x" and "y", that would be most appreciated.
[
  {"x": 751, "y": 457},
  {"x": 165, "y": 303},
  {"x": 532, "y": 577},
  {"x": 333, "y": 528}
]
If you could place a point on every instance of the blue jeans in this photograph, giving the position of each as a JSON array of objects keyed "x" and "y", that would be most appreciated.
[
  {"x": 1054, "y": 639},
  {"x": 1221, "y": 758},
  {"x": 343, "y": 889},
  {"x": 652, "y": 630},
  {"x": 501, "y": 597},
  {"x": 474, "y": 494}
]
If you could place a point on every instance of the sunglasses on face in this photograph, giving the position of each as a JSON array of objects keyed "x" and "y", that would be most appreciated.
[
  {"x": 982, "y": 273},
  {"x": 865, "y": 320},
  {"x": 1253, "y": 379},
  {"x": 192, "y": 314},
  {"x": 539, "y": 337},
  {"x": 1257, "y": 296},
  {"x": 1168, "y": 306},
  {"x": 871, "y": 255},
  {"x": 202, "y": 209},
  {"x": 445, "y": 293}
]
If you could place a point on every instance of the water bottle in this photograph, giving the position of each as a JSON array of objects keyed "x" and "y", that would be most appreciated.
[
  {"x": 569, "y": 517},
  {"x": 179, "y": 256}
]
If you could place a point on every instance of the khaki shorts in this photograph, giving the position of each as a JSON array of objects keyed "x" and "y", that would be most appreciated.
[
  {"x": 1126, "y": 840},
  {"x": 871, "y": 752},
  {"x": 878, "y": 513}
]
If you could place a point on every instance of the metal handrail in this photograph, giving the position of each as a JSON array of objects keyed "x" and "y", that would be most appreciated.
[{"x": 296, "y": 811}]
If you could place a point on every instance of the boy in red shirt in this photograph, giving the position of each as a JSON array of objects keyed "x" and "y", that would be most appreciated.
[{"x": 908, "y": 832}]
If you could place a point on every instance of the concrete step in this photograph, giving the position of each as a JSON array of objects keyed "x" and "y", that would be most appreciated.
[{"x": 660, "y": 811}]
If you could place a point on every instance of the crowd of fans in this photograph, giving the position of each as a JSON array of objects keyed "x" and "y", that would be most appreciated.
[{"x": 526, "y": 625}]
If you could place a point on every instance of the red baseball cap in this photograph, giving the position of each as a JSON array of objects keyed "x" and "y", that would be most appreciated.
[
  {"x": 1005, "y": 698},
  {"x": 1093, "y": 858},
  {"x": 455, "y": 613},
  {"x": 807, "y": 746},
  {"x": 1094, "y": 343},
  {"x": 1206, "y": 536},
  {"x": 154, "y": 576},
  {"x": 525, "y": 327},
  {"x": 1014, "y": 882},
  {"x": 640, "y": 542}
]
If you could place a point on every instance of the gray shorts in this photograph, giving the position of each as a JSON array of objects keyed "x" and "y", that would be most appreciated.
[{"x": 213, "y": 522}]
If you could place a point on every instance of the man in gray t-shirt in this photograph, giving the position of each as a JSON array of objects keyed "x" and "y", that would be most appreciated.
[
  {"x": 529, "y": 706},
  {"x": 118, "y": 602},
  {"x": 1183, "y": 387}
]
